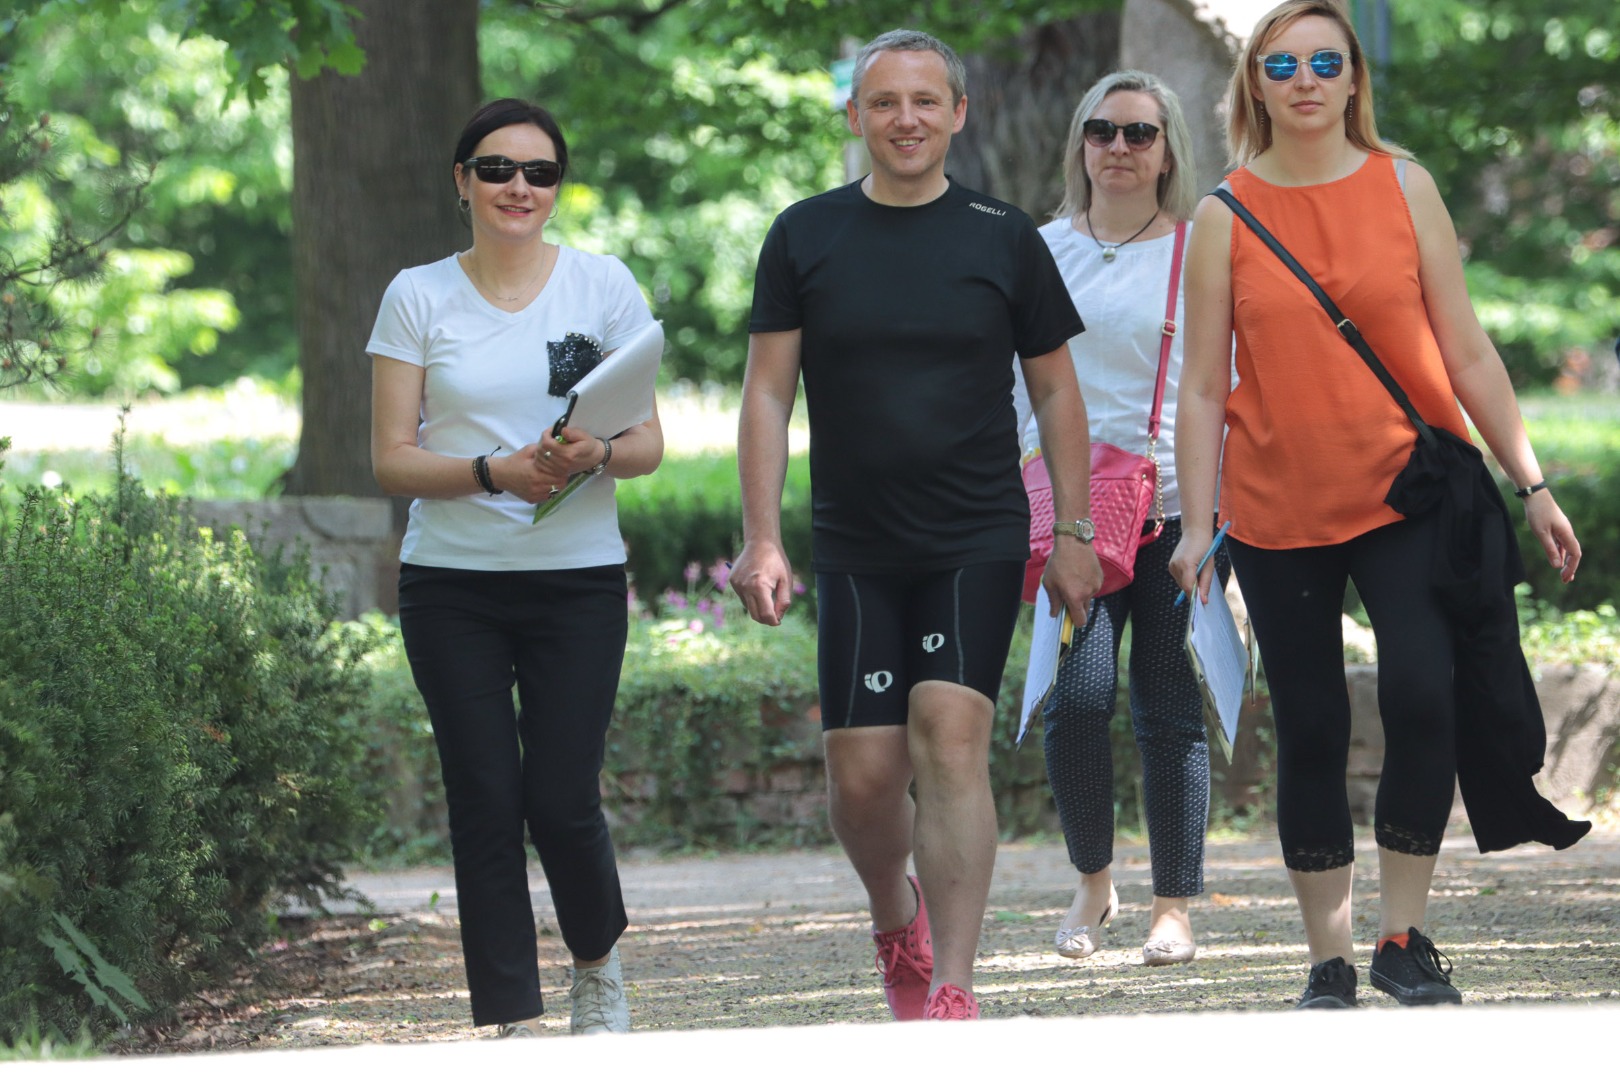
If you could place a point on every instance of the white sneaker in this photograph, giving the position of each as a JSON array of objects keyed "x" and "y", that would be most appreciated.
[{"x": 598, "y": 1000}]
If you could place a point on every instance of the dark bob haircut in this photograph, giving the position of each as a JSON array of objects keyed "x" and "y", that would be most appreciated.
[{"x": 504, "y": 112}]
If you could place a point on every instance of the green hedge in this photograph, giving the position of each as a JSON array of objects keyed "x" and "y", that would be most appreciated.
[
  {"x": 169, "y": 766},
  {"x": 690, "y": 510},
  {"x": 1577, "y": 440}
]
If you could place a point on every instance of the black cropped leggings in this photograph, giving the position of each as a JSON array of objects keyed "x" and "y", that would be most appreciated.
[
  {"x": 559, "y": 635},
  {"x": 1295, "y": 598}
]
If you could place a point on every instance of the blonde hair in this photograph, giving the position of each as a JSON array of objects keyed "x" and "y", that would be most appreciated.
[
  {"x": 1248, "y": 136},
  {"x": 1178, "y": 188}
]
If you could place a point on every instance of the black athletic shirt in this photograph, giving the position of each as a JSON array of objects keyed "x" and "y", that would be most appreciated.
[{"x": 910, "y": 319}]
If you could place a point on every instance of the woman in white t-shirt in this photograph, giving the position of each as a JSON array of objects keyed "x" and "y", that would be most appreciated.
[
  {"x": 472, "y": 358},
  {"x": 1129, "y": 179}
]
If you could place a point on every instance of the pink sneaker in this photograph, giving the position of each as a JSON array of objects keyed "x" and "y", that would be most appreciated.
[
  {"x": 905, "y": 959},
  {"x": 951, "y": 1003}
]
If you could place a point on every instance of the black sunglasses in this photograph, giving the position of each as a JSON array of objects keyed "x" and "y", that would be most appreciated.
[
  {"x": 1138, "y": 136},
  {"x": 498, "y": 169},
  {"x": 1281, "y": 66}
]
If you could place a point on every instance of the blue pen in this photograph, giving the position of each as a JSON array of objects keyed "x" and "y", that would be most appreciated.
[{"x": 1219, "y": 536}]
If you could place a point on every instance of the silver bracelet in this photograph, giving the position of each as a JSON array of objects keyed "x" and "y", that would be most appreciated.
[{"x": 607, "y": 455}]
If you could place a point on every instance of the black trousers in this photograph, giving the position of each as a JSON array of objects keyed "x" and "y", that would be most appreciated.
[
  {"x": 1295, "y": 598},
  {"x": 559, "y": 636}
]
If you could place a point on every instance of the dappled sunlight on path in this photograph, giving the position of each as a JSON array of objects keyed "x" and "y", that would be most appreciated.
[{"x": 779, "y": 938}]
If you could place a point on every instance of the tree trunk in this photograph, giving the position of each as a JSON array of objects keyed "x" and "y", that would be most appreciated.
[
  {"x": 372, "y": 194},
  {"x": 1021, "y": 95}
]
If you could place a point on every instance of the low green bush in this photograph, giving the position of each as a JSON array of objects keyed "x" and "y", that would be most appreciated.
[
  {"x": 169, "y": 765},
  {"x": 397, "y": 771},
  {"x": 707, "y": 691},
  {"x": 1577, "y": 440},
  {"x": 690, "y": 510}
]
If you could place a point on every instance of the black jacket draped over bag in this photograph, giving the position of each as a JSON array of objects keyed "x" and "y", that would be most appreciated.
[{"x": 1501, "y": 735}]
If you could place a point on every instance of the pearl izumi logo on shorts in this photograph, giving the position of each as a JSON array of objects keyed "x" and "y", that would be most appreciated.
[
  {"x": 979, "y": 206},
  {"x": 931, "y": 642},
  {"x": 879, "y": 681}
]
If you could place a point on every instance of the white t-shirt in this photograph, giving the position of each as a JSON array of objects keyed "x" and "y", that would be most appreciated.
[
  {"x": 498, "y": 378},
  {"x": 1117, "y": 358}
]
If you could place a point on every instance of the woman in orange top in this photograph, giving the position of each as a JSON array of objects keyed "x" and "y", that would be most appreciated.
[{"x": 1313, "y": 443}]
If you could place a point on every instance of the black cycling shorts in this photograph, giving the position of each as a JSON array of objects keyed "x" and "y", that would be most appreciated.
[{"x": 879, "y": 635}]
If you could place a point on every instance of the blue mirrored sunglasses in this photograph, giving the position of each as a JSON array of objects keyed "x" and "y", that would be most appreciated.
[{"x": 1281, "y": 66}]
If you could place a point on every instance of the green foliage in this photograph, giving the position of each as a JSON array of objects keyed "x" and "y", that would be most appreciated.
[
  {"x": 1577, "y": 440},
  {"x": 44, "y": 257},
  {"x": 690, "y": 510},
  {"x": 684, "y": 144},
  {"x": 703, "y": 693},
  {"x": 81, "y": 960},
  {"x": 1550, "y": 636},
  {"x": 396, "y": 773},
  {"x": 216, "y": 221},
  {"x": 1513, "y": 107},
  {"x": 264, "y": 35},
  {"x": 691, "y": 123},
  {"x": 169, "y": 765}
]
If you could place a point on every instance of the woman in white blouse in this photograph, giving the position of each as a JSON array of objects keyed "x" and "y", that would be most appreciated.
[
  {"x": 1129, "y": 182},
  {"x": 473, "y": 357}
]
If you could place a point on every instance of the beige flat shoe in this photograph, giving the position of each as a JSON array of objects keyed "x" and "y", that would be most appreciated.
[
  {"x": 1161, "y": 952},
  {"x": 1079, "y": 942}
]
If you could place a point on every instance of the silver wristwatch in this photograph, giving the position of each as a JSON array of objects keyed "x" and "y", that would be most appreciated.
[
  {"x": 1082, "y": 530},
  {"x": 607, "y": 455}
]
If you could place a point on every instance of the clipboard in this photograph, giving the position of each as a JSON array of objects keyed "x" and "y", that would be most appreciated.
[
  {"x": 1220, "y": 663},
  {"x": 1053, "y": 637},
  {"x": 615, "y": 396}
]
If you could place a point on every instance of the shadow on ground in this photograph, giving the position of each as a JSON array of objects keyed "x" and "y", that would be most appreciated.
[{"x": 780, "y": 939}]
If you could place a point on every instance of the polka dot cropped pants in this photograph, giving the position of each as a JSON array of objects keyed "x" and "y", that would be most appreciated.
[{"x": 1166, "y": 714}]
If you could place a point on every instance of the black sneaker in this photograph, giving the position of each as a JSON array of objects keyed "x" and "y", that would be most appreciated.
[
  {"x": 1332, "y": 986},
  {"x": 1413, "y": 976}
]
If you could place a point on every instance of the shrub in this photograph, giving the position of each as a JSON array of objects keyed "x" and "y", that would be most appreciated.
[
  {"x": 1578, "y": 442},
  {"x": 690, "y": 510},
  {"x": 169, "y": 767},
  {"x": 397, "y": 771}
]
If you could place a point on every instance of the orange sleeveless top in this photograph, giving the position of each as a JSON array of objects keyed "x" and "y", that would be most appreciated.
[{"x": 1313, "y": 437}]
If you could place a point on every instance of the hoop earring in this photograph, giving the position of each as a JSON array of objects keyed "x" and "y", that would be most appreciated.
[{"x": 463, "y": 205}]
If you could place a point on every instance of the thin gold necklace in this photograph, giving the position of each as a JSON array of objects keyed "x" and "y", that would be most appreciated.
[{"x": 478, "y": 276}]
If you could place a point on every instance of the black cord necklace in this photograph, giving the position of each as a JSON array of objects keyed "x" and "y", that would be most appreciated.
[{"x": 1111, "y": 251}]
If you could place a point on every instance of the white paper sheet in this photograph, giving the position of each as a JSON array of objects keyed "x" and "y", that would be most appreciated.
[
  {"x": 1046, "y": 650},
  {"x": 1220, "y": 661},
  {"x": 617, "y": 394}
]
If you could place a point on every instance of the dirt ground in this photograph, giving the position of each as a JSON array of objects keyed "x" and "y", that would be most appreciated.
[{"x": 752, "y": 940}]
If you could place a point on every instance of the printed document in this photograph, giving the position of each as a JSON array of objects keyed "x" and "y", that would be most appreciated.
[
  {"x": 1048, "y": 646},
  {"x": 1221, "y": 663}
]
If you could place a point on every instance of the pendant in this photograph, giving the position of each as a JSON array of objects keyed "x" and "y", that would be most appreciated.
[{"x": 1109, "y": 253}]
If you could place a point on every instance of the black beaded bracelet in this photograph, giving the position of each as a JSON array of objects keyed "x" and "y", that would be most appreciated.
[
  {"x": 1526, "y": 492},
  {"x": 481, "y": 474}
]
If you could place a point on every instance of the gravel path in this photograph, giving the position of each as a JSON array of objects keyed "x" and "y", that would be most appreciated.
[{"x": 744, "y": 940}]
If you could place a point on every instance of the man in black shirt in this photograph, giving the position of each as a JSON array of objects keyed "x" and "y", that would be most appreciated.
[{"x": 902, "y": 299}]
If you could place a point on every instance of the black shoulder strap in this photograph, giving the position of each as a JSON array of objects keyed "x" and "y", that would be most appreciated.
[{"x": 1344, "y": 325}]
